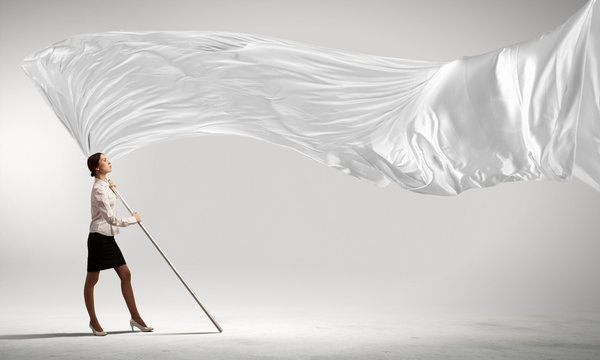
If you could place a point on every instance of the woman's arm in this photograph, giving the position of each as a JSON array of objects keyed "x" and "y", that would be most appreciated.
[{"x": 107, "y": 212}]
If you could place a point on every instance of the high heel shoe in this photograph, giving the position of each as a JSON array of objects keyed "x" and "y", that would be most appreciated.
[
  {"x": 97, "y": 333},
  {"x": 143, "y": 328}
]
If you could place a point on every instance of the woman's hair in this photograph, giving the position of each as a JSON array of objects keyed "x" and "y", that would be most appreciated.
[{"x": 92, "y": 163}]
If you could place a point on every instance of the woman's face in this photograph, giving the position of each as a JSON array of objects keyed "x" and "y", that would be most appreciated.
[{"x": 104, "y": 165}]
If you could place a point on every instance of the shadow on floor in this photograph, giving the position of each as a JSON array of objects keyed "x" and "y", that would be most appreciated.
[{"x": 66, "y": 335}]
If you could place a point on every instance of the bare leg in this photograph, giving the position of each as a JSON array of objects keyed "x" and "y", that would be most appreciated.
[
  {"x": 88, "y": 295},
  {"x": 125, "y": 276}
]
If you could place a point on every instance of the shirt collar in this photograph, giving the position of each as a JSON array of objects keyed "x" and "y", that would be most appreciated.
[{"x": 101, "y": 182}]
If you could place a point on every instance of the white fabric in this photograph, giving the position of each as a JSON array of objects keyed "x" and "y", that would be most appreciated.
[
  {"x": 529, "y": 111},
  {"x": 104, "y": 212}
]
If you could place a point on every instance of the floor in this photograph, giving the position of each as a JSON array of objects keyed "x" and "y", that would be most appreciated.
[{"x": 305, "y": 336}]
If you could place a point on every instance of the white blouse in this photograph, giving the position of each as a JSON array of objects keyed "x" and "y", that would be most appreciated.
[{"x": 104, "y": 212}]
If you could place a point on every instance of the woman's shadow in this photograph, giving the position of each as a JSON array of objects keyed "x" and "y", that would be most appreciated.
[{"x": 61, "y": 335}]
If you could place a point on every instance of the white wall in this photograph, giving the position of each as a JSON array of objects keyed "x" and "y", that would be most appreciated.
[{"x": 254, "y": 227}]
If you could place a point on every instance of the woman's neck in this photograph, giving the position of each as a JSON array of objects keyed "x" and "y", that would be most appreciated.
[{"x": 101, "y": 177}]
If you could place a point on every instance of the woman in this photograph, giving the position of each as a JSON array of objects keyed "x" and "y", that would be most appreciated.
[{"x": 103, "y": 251}]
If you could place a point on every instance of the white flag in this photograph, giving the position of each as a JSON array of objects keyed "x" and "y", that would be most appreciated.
[{"x": 529, "y": 111}]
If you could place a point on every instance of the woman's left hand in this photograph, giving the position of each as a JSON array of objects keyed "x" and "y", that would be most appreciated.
[{"x": 111, "y": 184}]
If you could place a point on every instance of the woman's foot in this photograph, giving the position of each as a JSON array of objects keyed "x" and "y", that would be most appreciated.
[
  {"x": 139, "y": 320},
  {"x": 96, "y": 326},
  {"x": 143, "y": 328},
  {"x": 95, "y": 330}
]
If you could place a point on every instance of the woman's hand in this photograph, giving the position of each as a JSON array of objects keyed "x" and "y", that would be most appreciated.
[
  {"x": 111, "y": 184},
  {"x": 137, "y": 216}
]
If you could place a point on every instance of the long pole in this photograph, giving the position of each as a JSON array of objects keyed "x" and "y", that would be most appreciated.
[{"x": 167, "y": 260}]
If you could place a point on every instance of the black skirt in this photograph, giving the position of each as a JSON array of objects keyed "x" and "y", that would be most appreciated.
[{"x": 103, "y": 252}]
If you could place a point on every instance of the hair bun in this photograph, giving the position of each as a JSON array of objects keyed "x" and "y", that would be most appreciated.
[{"x": 93, "y": 163}]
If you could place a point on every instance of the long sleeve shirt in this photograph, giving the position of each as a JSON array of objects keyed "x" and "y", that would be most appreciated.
[{"x": 104, "y": 213}]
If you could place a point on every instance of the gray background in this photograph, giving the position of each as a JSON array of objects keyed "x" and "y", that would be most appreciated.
[{"x": 257, "y": 229}]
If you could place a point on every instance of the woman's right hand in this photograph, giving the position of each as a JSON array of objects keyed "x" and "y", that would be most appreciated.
[{"x": 137, "y": 216}]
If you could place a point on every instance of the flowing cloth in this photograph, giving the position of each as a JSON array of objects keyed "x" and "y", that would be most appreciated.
[{"x": 529, "y": 111}]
